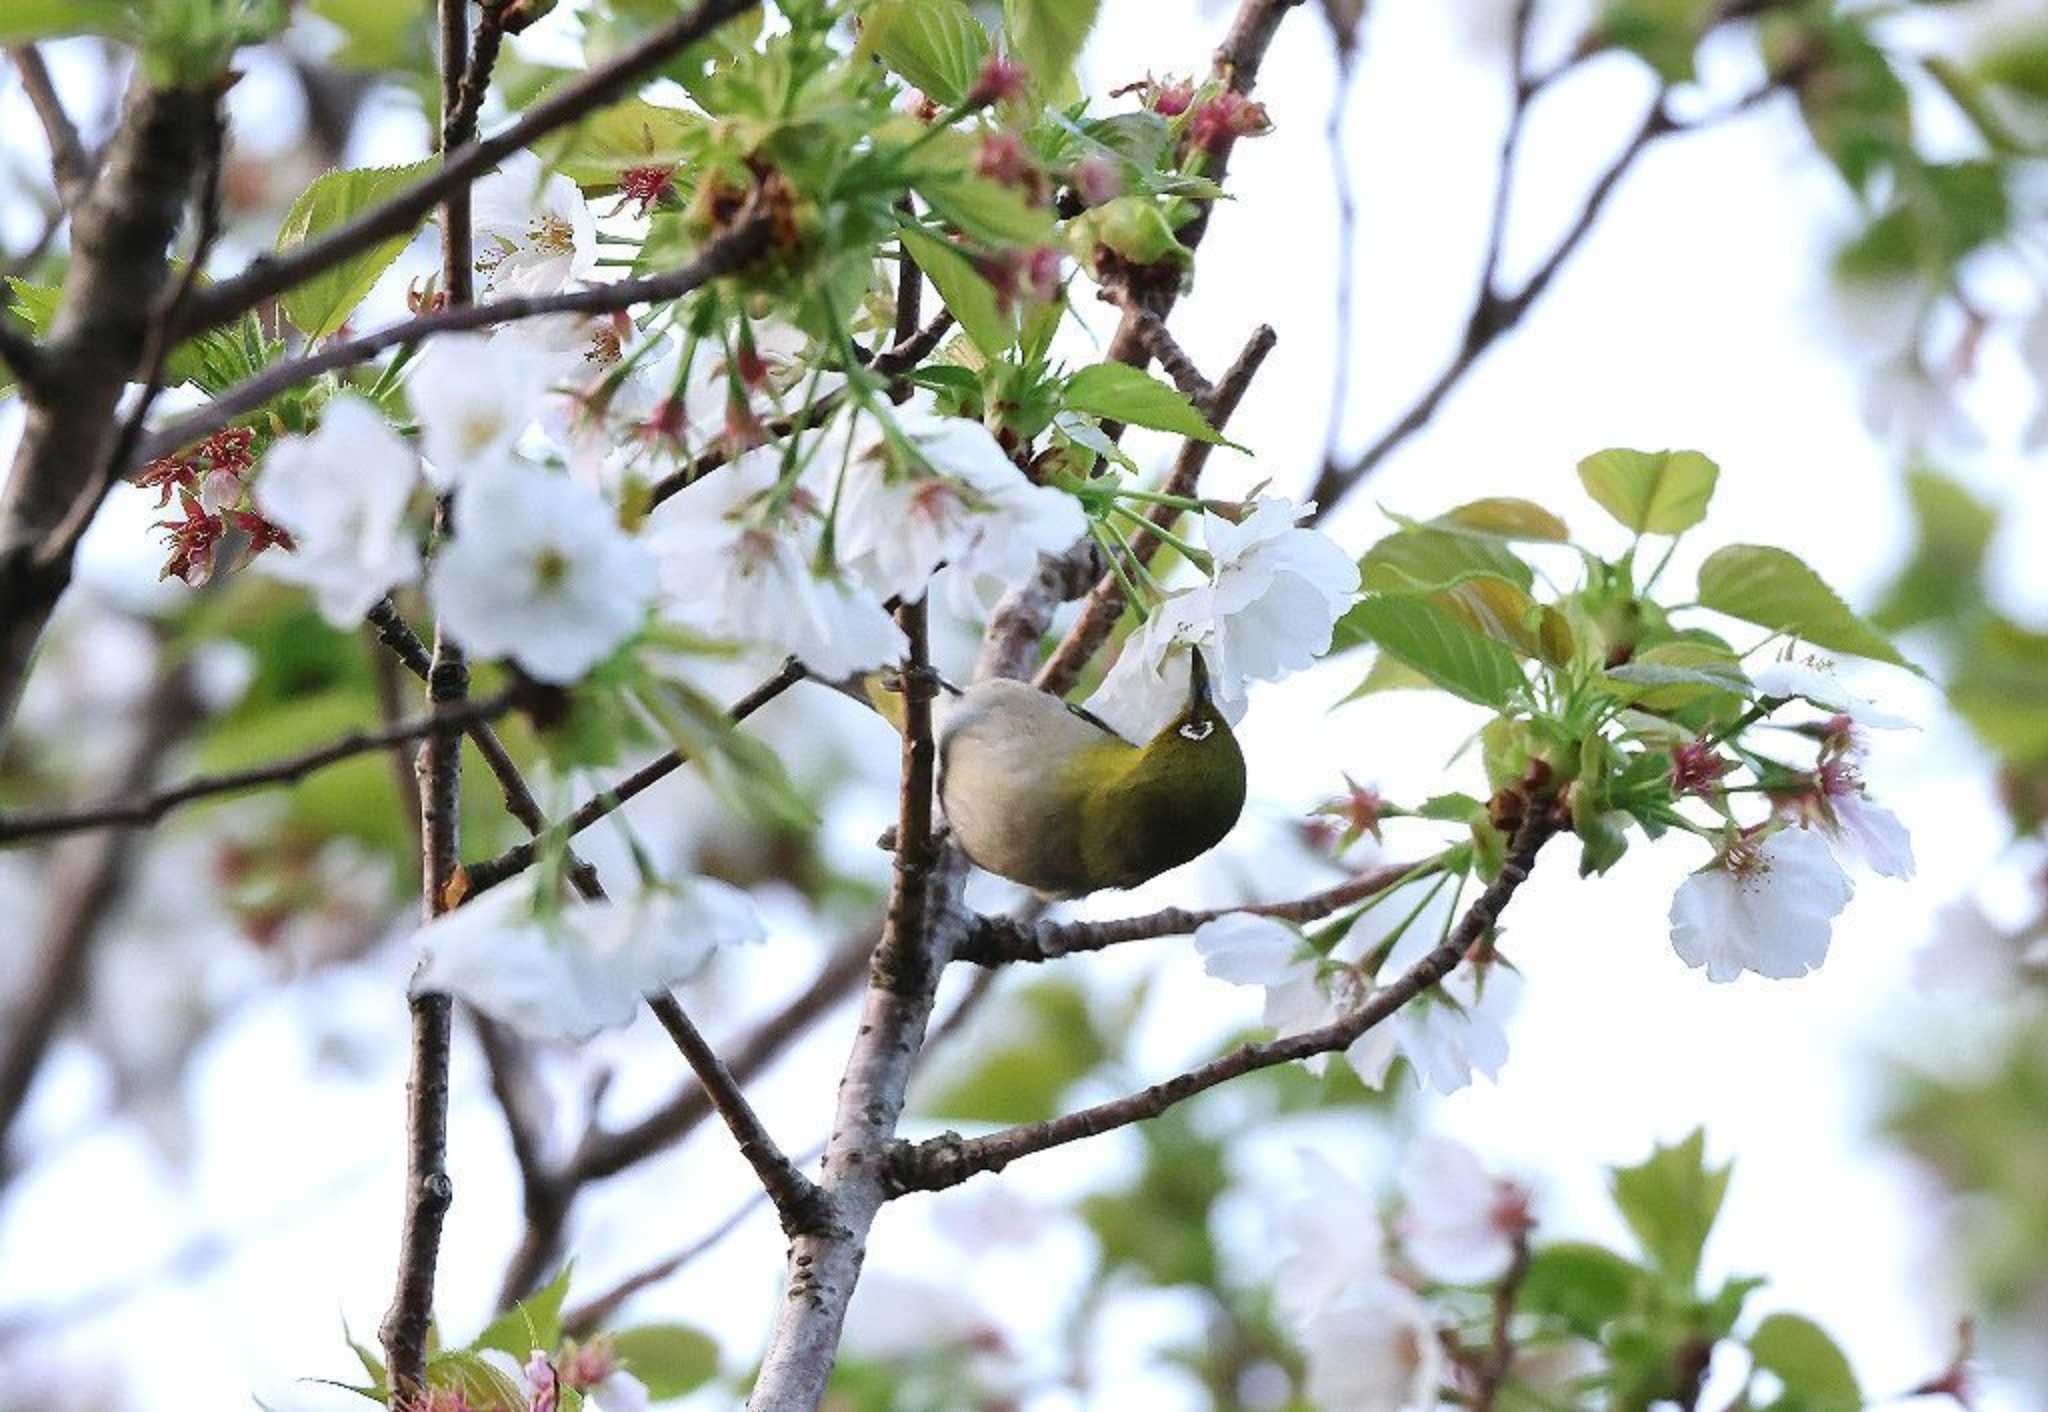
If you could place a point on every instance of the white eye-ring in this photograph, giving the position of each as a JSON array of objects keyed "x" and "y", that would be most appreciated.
[{"x": 1197, "y": 730}]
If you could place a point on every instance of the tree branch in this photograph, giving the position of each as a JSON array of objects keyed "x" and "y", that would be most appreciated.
[
  {"x": 824, "y": 1266},
  {"x": 997, "y": 941},
  {"x": 516, "y": 859},
  {"x": 949, "y": 1160},
  {"x": 720, "y": 256},
  {"x": 268, "y": 276},
  {"x": 1106, "y": 600},
  {"x": 70, "y": 165},
  {"x": 1494, "y": 312},
  {"x": 802, "y": 1206},
  {"x": 135, "y": 812}
]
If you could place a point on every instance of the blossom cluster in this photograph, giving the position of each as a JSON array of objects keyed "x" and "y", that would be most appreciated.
[{"x": 1359, "y": 1305}]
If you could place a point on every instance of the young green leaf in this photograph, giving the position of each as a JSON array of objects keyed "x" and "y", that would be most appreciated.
[
  {"x": 534, "y": 1322},
  {"x": 1433, "y": 641},
  {"x": 1651, "y": 492},
  {"x": 1504, "y": 517},
  {"x": 1585, "y": 1285},
  {"x": 1418, "y": 560},
  {"x": 671, "y": 1359},
  {"x": 1774, "y": 589},
  {"x": 971, "y": 298},
  {"x": 22, "y": 21},
  {"x": 1815, "y": 1373},
  {"x": 323, "y": 303},
  {"x": 1131, "y": 395},
  {"x": 1046, "y": 36},
  {"x": 986, "y": 211},
  {"x": 936, "y": 44},
  {"x": 1670, "y": 1202}
]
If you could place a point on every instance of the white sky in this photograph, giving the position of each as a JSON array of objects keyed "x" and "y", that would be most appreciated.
[{"x": 1697, "y": 315}]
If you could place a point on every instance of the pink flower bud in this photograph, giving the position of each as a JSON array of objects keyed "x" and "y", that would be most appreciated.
[
  {"x": 1002, "y": 78},
  {"x": 1170, "y": 100},
  {"x": 1096, "y": 180},
  {"x": 1225, "y": 118}
]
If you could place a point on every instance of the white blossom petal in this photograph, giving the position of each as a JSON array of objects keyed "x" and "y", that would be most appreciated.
[
  {"x": 1459, "y": 1224},
  {"x": 474, "y": 396},
  {"x": 539, "y": 571},
  {"x": 1247, "y": 949},
  {"x": 341, "y": 493},
  {"x": 1870, "y": 832},
  {"x": 1814, "y": 679},
  {"x": 1376, "y": 1352},
  {"x": 1768, "y": 907},
  {"x": 532, "y": 231},
  {"x": 1330, "y": 1240}
]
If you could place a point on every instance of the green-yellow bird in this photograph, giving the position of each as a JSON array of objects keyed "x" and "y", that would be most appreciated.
[{"x": 1044, "y": 794}]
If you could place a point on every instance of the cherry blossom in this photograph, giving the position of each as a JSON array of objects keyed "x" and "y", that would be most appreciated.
[
  {"x": 1813, "y": 678},
  {"x": 738, "y": 554},
  {"x": 1270, "y": 606},
  {"x": 1375, "y": 1352},
  {"x": 951, "y": 496},
  {"x": 341, "y": 494},
  {"x": 1765, "y": 904},
  {"x": 473, "y": 396},
  {"x": 1331, "y": 1240},
  {"x": 572, "y": 972},
  {"x": 539, "y": 571},
  {"x": 1459, "y": 1224},
  {"x": 533, "y": 230}
]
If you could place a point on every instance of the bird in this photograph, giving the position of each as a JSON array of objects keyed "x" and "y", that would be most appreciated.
[{"x": 1043, "y": 793}]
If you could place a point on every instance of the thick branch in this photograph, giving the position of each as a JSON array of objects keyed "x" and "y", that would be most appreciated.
[
  {"x": 950, "y": 1160},
  {"x": 804, "y": 1208},
  {"x": 721, "y": 256},
  {"x": 516, "y": 859},
  {"x": 1106, "y": 600},
  {"x": 824, "y": 1266},
  {"x": 70, "y": 165},
  {"x": 136, "y": 811},
  {"x": 996, "y": 941},
  {"x": 269, "y": 276}
]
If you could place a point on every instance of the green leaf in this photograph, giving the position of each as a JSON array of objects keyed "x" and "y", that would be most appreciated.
[
  {"x": 1585, "y": 1285},
  {"x": 938, "y": 45},
  {"x": 1418, "y": 560},
  {"x": 1663, "y": 33},
  {"x": 1943, "y": 581},
  {"x": 1816, "y": 1374},
  {"x": 22, "y": 21},
  {"x": 1434, "y": 642},
  {"x": 323, "y": 303},
  {"x": 1774, "y": 589},
  {"x": 633, "y": 133},
  {"x": 1132, "y": 395},
  {"x": 534, "y": 1322},
  {"x": 1046, "y": 36},
  {"x": 969, "y": 296},
  {"x": 1651, "y": 492},
  {"x": 379, "y": 34},
  {"x": 1670, "y": 1202},
  {"x": 1504, "y": 517},
  {"x": 985, "y": 210},
  {"x": 2001, "y": 679},
  {"x": 2021, "y": 64},
  {"x": 672, "y": 1359},
  {"x": 36, "y": 304},
  {"x": 1672, "y": 673},
  {"x": 1050, "y": 1043},
  {"x": 1387, "y": 673}
]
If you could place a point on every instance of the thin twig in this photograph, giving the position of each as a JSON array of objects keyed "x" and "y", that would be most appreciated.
[
  {"x": 70, "y": 165},
  {"x": 804, "y": 1208},
  {"x": 947, "y": 1161},
  {"x": 1171, "y": 357},
  {"x": 719, "y": 256},
  {"x": 516, "y": 859},
  {"x": 133, "y": 812},
  {"x": 996, "y": 941},
  {"x": 267, "y": 277},
  {"x": 1500, "y": 1351},
  {"x": 408, "y": 1322},
  {"x": 81, "y": 884}
]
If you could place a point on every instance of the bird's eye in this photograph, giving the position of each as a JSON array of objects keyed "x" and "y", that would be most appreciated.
[{"x": 1197, "y": 730}]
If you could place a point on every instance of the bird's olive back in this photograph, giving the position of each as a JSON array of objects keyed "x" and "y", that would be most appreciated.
[{"x": 1174, "y": 800}]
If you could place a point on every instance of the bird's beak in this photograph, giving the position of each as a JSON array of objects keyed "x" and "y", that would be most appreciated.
[{"x": 1199, "y": 694}]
